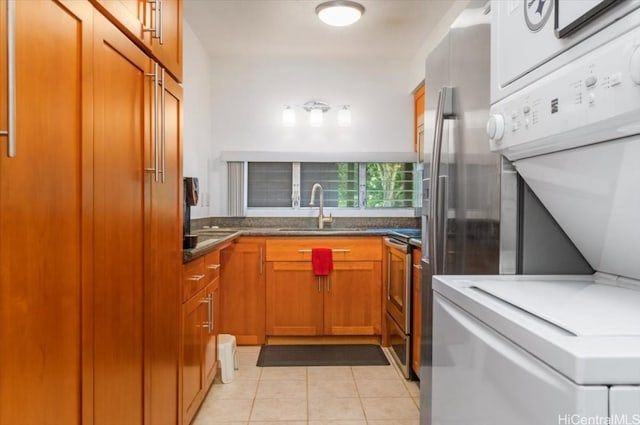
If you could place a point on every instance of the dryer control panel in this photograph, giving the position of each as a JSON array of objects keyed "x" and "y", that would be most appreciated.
[{"x": 593, "y": 99}]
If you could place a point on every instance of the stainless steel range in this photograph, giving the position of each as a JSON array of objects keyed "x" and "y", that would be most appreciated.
[{"x": 399, "y": 289}]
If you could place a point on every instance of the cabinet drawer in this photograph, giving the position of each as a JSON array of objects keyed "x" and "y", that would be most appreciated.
[
  {"x": 344, "y": 248},
  {"x": 194, "y": 278},
  {"x": 212, "y": 266}
]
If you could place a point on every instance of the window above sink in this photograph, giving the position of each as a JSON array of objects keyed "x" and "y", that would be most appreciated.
[{"x": 350, "y": 188}]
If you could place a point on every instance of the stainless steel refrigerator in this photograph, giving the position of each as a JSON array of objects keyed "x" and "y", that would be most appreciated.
[
  {"x": 461, "y": 177},
  {"x": 478, "y": 215}
]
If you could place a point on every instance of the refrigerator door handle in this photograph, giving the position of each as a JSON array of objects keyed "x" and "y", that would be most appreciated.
[
  {"x": 441, "y": 221},
  {"x": 434, "y": 171},
  {"x": 437, "y": 209}
]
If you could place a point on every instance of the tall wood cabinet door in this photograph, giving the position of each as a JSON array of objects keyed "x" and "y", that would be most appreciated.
[
  {"x": 122, "y": 122},
  {"x": 242, "y": 291},
  {"x": 45, "y": 235},
  {"x": 294, "y": 299},
  {"x": 168, "y": 48},
  {"x": 194, "y": 322},
  {"x": 164, "y": 255},
  {"x": 353, "y": 299}
]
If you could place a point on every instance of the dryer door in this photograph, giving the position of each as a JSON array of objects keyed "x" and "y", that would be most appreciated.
[{"x": 480, "y": 377}]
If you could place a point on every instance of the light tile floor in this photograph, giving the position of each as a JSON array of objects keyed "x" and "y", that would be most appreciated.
[{"x": 340, "y": 395}]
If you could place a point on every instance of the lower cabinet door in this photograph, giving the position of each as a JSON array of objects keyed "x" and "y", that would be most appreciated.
[
  {"x": 212, "y": 297},
  {"x": 194, "y": 319},
  {"x": 352, "y": 301},
  {"x": 242, "y": 291},
  {"x": 294, "y": 299}
]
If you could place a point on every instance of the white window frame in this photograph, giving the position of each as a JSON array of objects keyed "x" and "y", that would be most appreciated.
[{"x": 297, "y": 210}]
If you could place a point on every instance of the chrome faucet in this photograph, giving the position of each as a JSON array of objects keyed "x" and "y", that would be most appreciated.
[{"x": 321, "y": 218}]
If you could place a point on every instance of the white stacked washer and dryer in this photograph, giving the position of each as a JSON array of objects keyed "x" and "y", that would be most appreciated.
[{"x": 555, "y": 349}]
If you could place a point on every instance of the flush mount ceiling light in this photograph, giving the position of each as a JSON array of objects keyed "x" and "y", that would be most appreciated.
[{"x": 339, "y": 13}]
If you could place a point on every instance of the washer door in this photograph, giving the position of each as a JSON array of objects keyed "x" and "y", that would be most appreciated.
[{"x": 480, "y": 377}]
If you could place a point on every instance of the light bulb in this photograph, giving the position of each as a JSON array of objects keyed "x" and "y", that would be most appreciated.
[
  {"x": 344, "y": 117},
  {"x": 288, "y": 117},
  {"x": 315, "y": 117}
]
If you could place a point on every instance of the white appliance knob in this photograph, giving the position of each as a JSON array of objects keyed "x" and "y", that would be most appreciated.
[
  {"x": 634, "y": 66},
  {"x": 495, "y": 127}
]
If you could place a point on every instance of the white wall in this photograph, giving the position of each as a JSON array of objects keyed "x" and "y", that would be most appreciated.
[
  {"x": 436, "y": 33},
  {"x": 249, "y": 95},
  {"x": 234, "y": 104},
  {"x": 196, "y": 130}
]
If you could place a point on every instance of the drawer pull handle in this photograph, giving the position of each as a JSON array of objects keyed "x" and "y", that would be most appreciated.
[
  {"x": 196, "y": 278},
  {"x": 303, "y": 251},
  {"x": 10, "y": 132},
  {"x": 213, "y": 266}
]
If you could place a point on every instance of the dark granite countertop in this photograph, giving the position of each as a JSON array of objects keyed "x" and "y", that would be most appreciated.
[{"x": 212, "y": 238}]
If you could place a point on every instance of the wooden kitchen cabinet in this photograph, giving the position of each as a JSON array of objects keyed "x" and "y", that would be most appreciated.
[
  {"x": 416, "y": 321},
  {"x": 194, "y": 315},
  {"x": 164, "y": 253},
  {"x": 138, "y": 235},
  {"x": 90, "y": 246},
  {"x": 242, "y": 291},
  {"x": 353, "y": 301},
  {"x": 45, "y": 221},
  {"x": 169, "y": 51},
  {"x": 199, "y": 345},
  {"x": 347, "y": 302},
  {"x": 295, "y": 299},
  {"x": 139, "y": 19},
  {"x": 212, "y": 294},
  {"x": 418, "y": 121}
]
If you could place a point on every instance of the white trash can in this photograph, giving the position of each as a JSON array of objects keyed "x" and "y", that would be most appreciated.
[{"x": 228, "y": 356}]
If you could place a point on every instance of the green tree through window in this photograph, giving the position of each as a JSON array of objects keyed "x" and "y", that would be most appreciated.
[{"x": 389, "y": 185}]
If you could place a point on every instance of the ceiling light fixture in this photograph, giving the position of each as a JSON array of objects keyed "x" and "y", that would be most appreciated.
[{"x": 339, "y": 13}]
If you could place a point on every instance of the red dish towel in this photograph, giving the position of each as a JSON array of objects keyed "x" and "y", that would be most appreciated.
[{"x": 322, "y": 261}]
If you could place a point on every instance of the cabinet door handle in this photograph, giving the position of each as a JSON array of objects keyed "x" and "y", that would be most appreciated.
[
  {"x": 388, "y": 275},
  {"x": 213, "y": 266},
  {"x": 260, "y": 259},
  {"x": 417, "y": 266},
  {"x": 304, "y": 251},
  {"x": 319, "y": 284},
  {"x": 161, "y": 21},
  {"x": 211, "y": 312},
  {"x": 209, "y": 302},
  {"x": 328, "y": 283},
  {"x": 155, "y": 28},
  {"x": 163, "y": 139},
  {"x": 10, "y": 132},
  {"x": 155, "y": 169},
  {"x": 196, "y": 278}
]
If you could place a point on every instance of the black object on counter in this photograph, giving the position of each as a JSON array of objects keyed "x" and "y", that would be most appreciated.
[{"x": 191, "y": 195}]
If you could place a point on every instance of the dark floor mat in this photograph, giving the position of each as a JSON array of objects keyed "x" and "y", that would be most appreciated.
[{"x": 321, "y": 355}]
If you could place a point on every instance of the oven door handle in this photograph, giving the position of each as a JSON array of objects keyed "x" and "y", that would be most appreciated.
[{"x": 392, "y": 243}]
